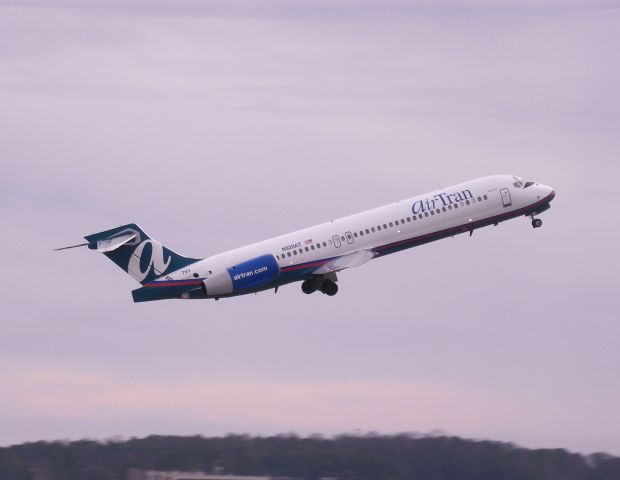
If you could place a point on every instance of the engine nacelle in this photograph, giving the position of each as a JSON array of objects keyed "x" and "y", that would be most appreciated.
[{"x": 245, "y": 276}]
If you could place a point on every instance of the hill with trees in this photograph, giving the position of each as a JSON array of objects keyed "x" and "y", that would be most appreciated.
[{"x": 346, "y": 457}]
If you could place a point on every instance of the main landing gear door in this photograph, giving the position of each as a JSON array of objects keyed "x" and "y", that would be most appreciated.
[{"x": 506, "y": 200}]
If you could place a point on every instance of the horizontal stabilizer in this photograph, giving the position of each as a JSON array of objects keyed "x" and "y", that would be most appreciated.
[
  {"x": 110, "y": 244},
  {"x": 351, "y": 260},
  {"x": 166, "y": 290},
  {"x": 71, "y": 246}
]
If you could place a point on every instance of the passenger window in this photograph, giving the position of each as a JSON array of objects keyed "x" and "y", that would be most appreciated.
[
  {"x": 294, "y": 252},
  {"x": 449, "y": 207},
  {"x": 288, "y": 254},
  {"x": 278, "y": 257},
  {"x": 324, "y": 244},
  {"x": 432, "y": 212},
  {"x": 367, "y": 232},
  {"x": 443, "y": 208},
  {"x": 485, "y": 197},
  {"x": 318, "y": 245},
  {"x": 426, "y": 214},
  {"x": 409, "y": 219},
  {"x": 379, "y": 228},
  {"x": 420, "y": 216},
  {"x": 373, "y": 229},
  {"x": 414, "y": 218},
  {"x": 355, "y": 234},
  {"x": 342, "y": 238},
  {"x": 479, "y": 199},
  {"x": 311, "y": 247},
  {"x": 391, "y": 224},
  {"x": 467, "y": 202},
  {"x": 456, "y": 205},
  {"x": 307, "y": 249},
  {"x": 402, "y": 220},
  {"x": 437, "y": 211},
  {"x": 385, "y": 226}
]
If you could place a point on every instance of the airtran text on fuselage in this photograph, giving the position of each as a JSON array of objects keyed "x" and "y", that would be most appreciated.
[{"x": 440, "y": 200}]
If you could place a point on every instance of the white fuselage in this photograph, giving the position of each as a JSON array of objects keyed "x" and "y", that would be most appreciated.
[{"x": 403, "y": 224}]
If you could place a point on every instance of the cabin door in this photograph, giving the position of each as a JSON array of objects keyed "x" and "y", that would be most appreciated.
[
  {"x": 506, "y": 200},
  {"x": 336, "y": 241}
]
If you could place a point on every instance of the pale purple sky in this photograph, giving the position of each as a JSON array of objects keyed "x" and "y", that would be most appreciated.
[{"x": 215, "y": 124}]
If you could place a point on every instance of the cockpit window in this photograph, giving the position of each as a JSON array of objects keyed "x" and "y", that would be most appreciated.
[{"x": 519, "y": 183}]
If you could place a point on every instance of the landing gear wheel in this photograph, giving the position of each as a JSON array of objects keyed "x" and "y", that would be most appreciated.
[
  {"x": 308, "y": 287},
  {"x": 536, "y": 223},
  {"x": 329, "y": 288}
]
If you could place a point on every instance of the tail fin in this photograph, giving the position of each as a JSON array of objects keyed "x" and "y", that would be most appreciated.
[{"x": 135, "y": 252}]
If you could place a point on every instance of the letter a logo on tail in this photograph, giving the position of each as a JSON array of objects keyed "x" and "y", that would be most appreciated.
[
  {"x": 155, "y": 265},
  {"x": 140, "y": 256}
]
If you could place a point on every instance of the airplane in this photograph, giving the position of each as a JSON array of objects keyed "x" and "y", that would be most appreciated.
[{"x": 315, "y": 255}]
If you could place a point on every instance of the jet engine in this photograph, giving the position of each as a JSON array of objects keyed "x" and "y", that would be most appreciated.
[{"x": 246, "y": 276}]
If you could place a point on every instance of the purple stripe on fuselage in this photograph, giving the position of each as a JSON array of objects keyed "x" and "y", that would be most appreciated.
[
  {"x": 174, "y": 283},
  {"x": 313, "y": 263}
]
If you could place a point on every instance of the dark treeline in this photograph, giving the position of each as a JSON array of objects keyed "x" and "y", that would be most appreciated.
[{"x": 369, "y": 457}]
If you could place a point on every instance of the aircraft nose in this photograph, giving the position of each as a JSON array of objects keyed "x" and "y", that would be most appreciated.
[{"x": 548, "y": 192}]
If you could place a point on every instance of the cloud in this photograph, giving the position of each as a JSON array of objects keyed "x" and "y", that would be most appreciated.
[
  {"x": 319, "y": 9},
  {"x": 259, "y": 404},
  {"x": 213, "y": 125}
]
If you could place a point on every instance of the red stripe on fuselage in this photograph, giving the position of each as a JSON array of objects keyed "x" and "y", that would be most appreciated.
[
  {"x": 173, "y": 283},
  {"x": 316, "y": 263}
]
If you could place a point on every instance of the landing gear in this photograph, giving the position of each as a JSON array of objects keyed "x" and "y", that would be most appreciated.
[
  {"x": 309, "y": 286},
  {"x": 536, "y": 222},
  {"x": 329, "y": 288},
  {"x": 323, "y": 283}
]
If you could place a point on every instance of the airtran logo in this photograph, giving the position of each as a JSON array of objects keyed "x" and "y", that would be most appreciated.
[
  {"x": 440, "y": 200},
  {"x": 152, "y": 262},
  {"x": 258, "y": 271}
]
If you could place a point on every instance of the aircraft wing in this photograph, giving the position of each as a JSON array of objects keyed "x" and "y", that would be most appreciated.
[{"x": 349, "y": 260}]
